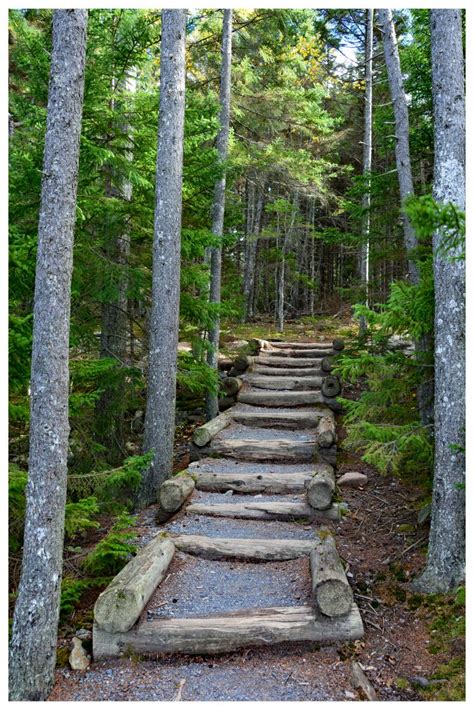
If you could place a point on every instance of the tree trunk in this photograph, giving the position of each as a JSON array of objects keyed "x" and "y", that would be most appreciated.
[
  {"x": 367, "y": 159},
  {"x": 163, "y": 337},
  {"x": 34, "y": 634},
  {"x": 253, "y": 229},
  {"x": 212, "y": 406},
  {"x": 446, "y": 550},
  {"x": 402, "y": 147}
]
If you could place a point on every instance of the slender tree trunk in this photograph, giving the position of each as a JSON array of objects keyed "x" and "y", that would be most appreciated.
[
  {"x": 367, "y": 159},
  {"x": 280, "y": 313},
  {"x": 115, "y": 314},
  {"x": 35, "y": 622},
  {"x": 164, "y": 317},
  {"x": 254, "y": 220},
  {"x": 219, "y": 202},
  {"x": 402, "y": 147},
  {"x": 446, "y": 550}
]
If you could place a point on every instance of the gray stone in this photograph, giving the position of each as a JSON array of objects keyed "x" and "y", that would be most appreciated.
[
  {"x": 78, "y": 659},
  {"x": 352, "y": 478}
]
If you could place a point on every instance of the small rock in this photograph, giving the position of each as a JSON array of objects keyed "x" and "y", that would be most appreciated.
[
  {"x": 229, "y": 493},
  {"x": 350, "y": 695},
  {"x": 78, "y": 659},
  {"x": 84, "y": 634},
  {"x": 352, "y": 478}
]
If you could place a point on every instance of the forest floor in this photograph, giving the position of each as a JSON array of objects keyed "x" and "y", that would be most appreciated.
[{"x": 413, "y": 647}]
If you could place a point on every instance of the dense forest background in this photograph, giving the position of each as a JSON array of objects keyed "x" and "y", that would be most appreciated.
[{"x": 298, "y": 227}]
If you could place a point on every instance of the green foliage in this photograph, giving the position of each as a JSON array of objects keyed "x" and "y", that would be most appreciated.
[
  {"x": 79, "y": 516},
  {"x": 72, "y": 590},
  {"x": 195, "y": 376},
  {"x": 114, "y": 550},
  {"x": 429, "y": 216}
]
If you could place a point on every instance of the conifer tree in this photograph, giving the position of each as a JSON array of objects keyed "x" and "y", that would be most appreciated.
[{"x": 34, "y": 634}]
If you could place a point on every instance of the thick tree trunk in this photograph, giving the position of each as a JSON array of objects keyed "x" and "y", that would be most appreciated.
[
  {"x": 367, "y": 159},
  {"x": 446, "y": 551},
  {"x": 212, "y": 406},
  {"x": 34, "y": 634},
  {"x": 402, "y": 147},
  {"x": 163, "y": 337}
]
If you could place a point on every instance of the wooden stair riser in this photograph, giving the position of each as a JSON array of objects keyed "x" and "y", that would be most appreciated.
[{"x": 284, "y": 383}]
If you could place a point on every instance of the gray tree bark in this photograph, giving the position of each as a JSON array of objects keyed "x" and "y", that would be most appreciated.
[
  {"x": 219, "y": 202},
  {"x": 164, "y": 317},
  {"x": 367, "y": 158},
  {"x": 254, "y": 221},
  {"x": 446, "y": 550},
  {"x": 402, "y": 146},
  {"x": 280, "y": 306},
  {"x": 35, "y": 622}
]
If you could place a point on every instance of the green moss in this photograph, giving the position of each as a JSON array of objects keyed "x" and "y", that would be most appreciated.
[
  {"x": 401, "y": 683},
  {"x": 62, "y": 657}
]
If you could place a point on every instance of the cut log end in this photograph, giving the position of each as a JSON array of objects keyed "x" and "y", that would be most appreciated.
[
  {"x": 331, "y": 387},
  {"x": 334, "y": 598}
]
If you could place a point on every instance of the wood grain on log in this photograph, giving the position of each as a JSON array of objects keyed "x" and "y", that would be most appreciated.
[
  {"x": 173, "y": 492},
  {"x": 273, "y": 510},
  {"x": 218, "y": 548},
  {"x": 228, "y": 632},
  {"x": 277, "y": 362},
  {"x": 284, "y": 398},
  {"x": 252, "y": 482},
  {"x": 287, "y": 371},
  {"x": 301, "y": 346},
  {"x": 290, "y": 450},
  {"x": 321, "y": 487},
  {"x": 301, "y": 354},
  {"x": 121, "y": 603},
  {"x": 231, "y": 385},
  {"x": 326, "y": 431},
  {"x": 280, "y": 419},
  {"x": 332, "y": 592},
  {"x": 203, "y": 434},
  {"x": 276, "y": 382}
]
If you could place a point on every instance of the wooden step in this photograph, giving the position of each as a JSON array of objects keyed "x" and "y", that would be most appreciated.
[
  {"x": 256, "y": 549},
  {"x": 300, "y": 346},
  {"x": 228, "y": 632},
  {"x": 284, "y": 383},
  {"x": 283, "y": 449},
  {"x": 281, "y": 418},
  {"x": 270, "y": 510},
  {"x": 253, "y": 482},
  {"x": 275, "y": 362},
  {"x": 301, "y": 354},
  {"x": 281, "y": 398},
  {"x": 287, "y": 371}
]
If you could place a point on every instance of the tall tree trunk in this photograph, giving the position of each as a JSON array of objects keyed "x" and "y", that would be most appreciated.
[
  {"x": 446, "y": 550},
  {"x": 35, "y": 622},
  {"x": 367, "y": 159},
  {"x": 164, "y": 316},
  {"x": 255, "y": 198},
  {"x": 115, "y": 313},
  {"x": 280, "y": 310},
  {"x": 402, "y": 147},
  {"x": 212, "y": 407}
]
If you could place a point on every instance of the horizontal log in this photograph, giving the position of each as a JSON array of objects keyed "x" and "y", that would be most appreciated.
[
  {"x": 203, "y": 434},
  {"x": 275, "y": 362},
  {"x": 252, "y": 482},
  {"x": 331, "y": 387},
  {"x": 231, "y": 385},
  {"x": 331, "y": 590},
  {"x": 290, "y": 450},
  {"x": 229, "y": 632},
  {"x": 121, "y": 603},
  {"x": 275, "y": 382},
  {"x": 302, "y": 354},
  {"x": 300, "y": 346},
  {"x": 326, "y": 431},
  {"x": 321, "y": 487},
  {"x": 272, "y": 510},
  {"x": 266, "y": 550},
  {"x": 284, "y": 398},
  {"x": 279, "y": 419},
  {"x": 173, "y": 492},
  {"x": 287, "y": 371}
]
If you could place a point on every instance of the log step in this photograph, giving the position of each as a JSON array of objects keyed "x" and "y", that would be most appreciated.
[
  {"x": 282, "y": 398},
  {"x": 281, "y": 418},
  {"x": 283, "y": 449},
  {"x": 271, "y": 361},
  {"x": 253, "y": 482},
  {"x": 271, "y": 510},
  {"x": 301, "y": 354},
  {"x": 287, "y": 371},
  {"x": 256, "y": 549},
  {"x": 231, "y": 631},
  {"x": 284, "y": 383},
  {"x": 300, "y": 346}
]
